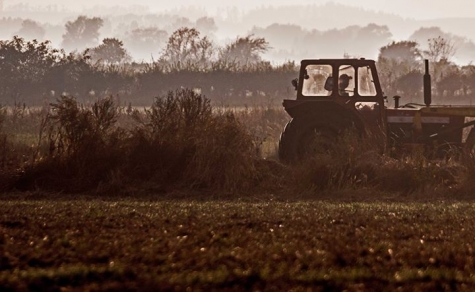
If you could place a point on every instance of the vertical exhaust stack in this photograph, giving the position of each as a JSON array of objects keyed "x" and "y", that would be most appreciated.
[
  {"x": 396, "y": 101},
  {"x": 427, "y": 85}
]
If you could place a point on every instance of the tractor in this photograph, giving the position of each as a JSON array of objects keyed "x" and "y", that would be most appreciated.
[{"x": 335, "y": 96}]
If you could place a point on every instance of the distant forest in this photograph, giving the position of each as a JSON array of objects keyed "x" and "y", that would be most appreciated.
[
  {"x": 135, "y": 57},
  {"x": 294, "y": 32}
]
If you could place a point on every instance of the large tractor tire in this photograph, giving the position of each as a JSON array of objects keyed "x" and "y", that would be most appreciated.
[{"x": 304, "y": 138}]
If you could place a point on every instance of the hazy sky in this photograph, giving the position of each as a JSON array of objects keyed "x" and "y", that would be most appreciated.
[{"x": 418, "y": 9}]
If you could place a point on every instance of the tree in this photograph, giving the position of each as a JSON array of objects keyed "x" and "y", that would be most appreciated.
[
  {"x": 439, "y": 54},
  {"x": 31, "y": 30},
  {"x": 410, "y": 85},
  {"x": 368, "y": 37},
  {"x": 186, "y": 49},
  {"x": 465, "y": 52},
  {"x": 82, "y": 33},
  {"x": 142, "y": 42},
  {"x": 423, "y": 34},
  {"x": 206, "y": 25},
  {"x": 468, "y": 79},
  {"x": 24, "y": 66},
  {"x": 440, "y": 49},
  {"x": 403, "y": 51},
  {"x": 244, "y": 50},
  {"x": 180, "y": 22},
  {"x": 283, "y": 36},
  {"x": 111, "y": 51},
  {"x": 450, "y": 83},
  {"x": 395, "y": 60}
]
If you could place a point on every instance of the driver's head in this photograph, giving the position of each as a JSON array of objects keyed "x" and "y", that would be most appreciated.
[{"x": 343, "y": 81}]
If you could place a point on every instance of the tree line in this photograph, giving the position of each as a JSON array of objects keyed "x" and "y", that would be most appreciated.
[{"x": 35, "y": 73}]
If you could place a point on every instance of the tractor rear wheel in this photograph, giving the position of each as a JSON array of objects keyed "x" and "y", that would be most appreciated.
[{"x": 302, "y": 139}]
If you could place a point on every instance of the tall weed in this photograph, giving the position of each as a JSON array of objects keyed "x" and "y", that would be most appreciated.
[
  {"x": 18, "y": 141},
  {"x": 83, "y": 147},
  {"x": 224, "y": 156},
  {"x": 265, "y": 124},
  {"x": 188, "y": 144}
]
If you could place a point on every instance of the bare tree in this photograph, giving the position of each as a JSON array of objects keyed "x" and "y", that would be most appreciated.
[
  {"x": 186, "y": 49},
  {"x": 440, "y": 49},
  {"x": 440, "y": 52},
  {"x": 244, "y": 50}
]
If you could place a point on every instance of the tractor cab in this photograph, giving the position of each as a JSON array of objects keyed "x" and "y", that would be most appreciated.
[
  {"x": 351, "y": 84},
  {"x": 338, "y": 78}
]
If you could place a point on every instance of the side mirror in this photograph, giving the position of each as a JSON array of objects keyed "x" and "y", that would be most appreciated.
[
  {"x": 295, "y": 83},
  {"x": 329, "y": 84}
]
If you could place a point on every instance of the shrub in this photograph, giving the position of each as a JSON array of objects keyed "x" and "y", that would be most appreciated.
[
  {"x": 187, "y": 143},
  {"x": 162, "y": 143},
  {"x": 224, "y": 155},
  {"x": 177, "y": 142},
  {"x": 84, "y": 147},
  {"x": 19, "y": 143}
]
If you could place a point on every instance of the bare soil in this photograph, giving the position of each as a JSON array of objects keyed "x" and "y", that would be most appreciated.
[{"x": 53, "y": 243}]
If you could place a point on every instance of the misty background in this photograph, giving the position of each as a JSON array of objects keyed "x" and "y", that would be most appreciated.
[
  {"x": 235, "y": 54},
  {"x": 294, "y": 29}
]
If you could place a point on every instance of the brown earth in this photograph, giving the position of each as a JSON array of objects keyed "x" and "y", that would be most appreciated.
[{"x": 56, "y": 243}]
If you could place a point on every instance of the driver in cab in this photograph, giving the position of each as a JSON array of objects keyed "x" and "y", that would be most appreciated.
[{"x": 343, "y": 82}]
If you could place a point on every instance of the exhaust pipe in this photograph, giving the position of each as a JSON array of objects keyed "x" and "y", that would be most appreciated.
[
  {"x": 427, "y": 85},
  {"x": 396, "y": 101}
]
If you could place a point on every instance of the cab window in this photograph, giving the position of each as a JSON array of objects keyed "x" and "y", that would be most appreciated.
[
  {"x": 346, "y": 80},
  {"x": 314, "y": 80},
  {"x": 365, "y": 82}
]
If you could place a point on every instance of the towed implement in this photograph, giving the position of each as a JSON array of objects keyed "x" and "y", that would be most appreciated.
[{"x": 335, "y": 96}]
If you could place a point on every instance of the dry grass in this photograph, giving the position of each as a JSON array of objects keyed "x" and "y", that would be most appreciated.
[
  {"x": 264, "y": 123},
  {"x": 357, "y": 163},
  {"x": 177, "y": 143},
  {"x": 180, "y": 142}
]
